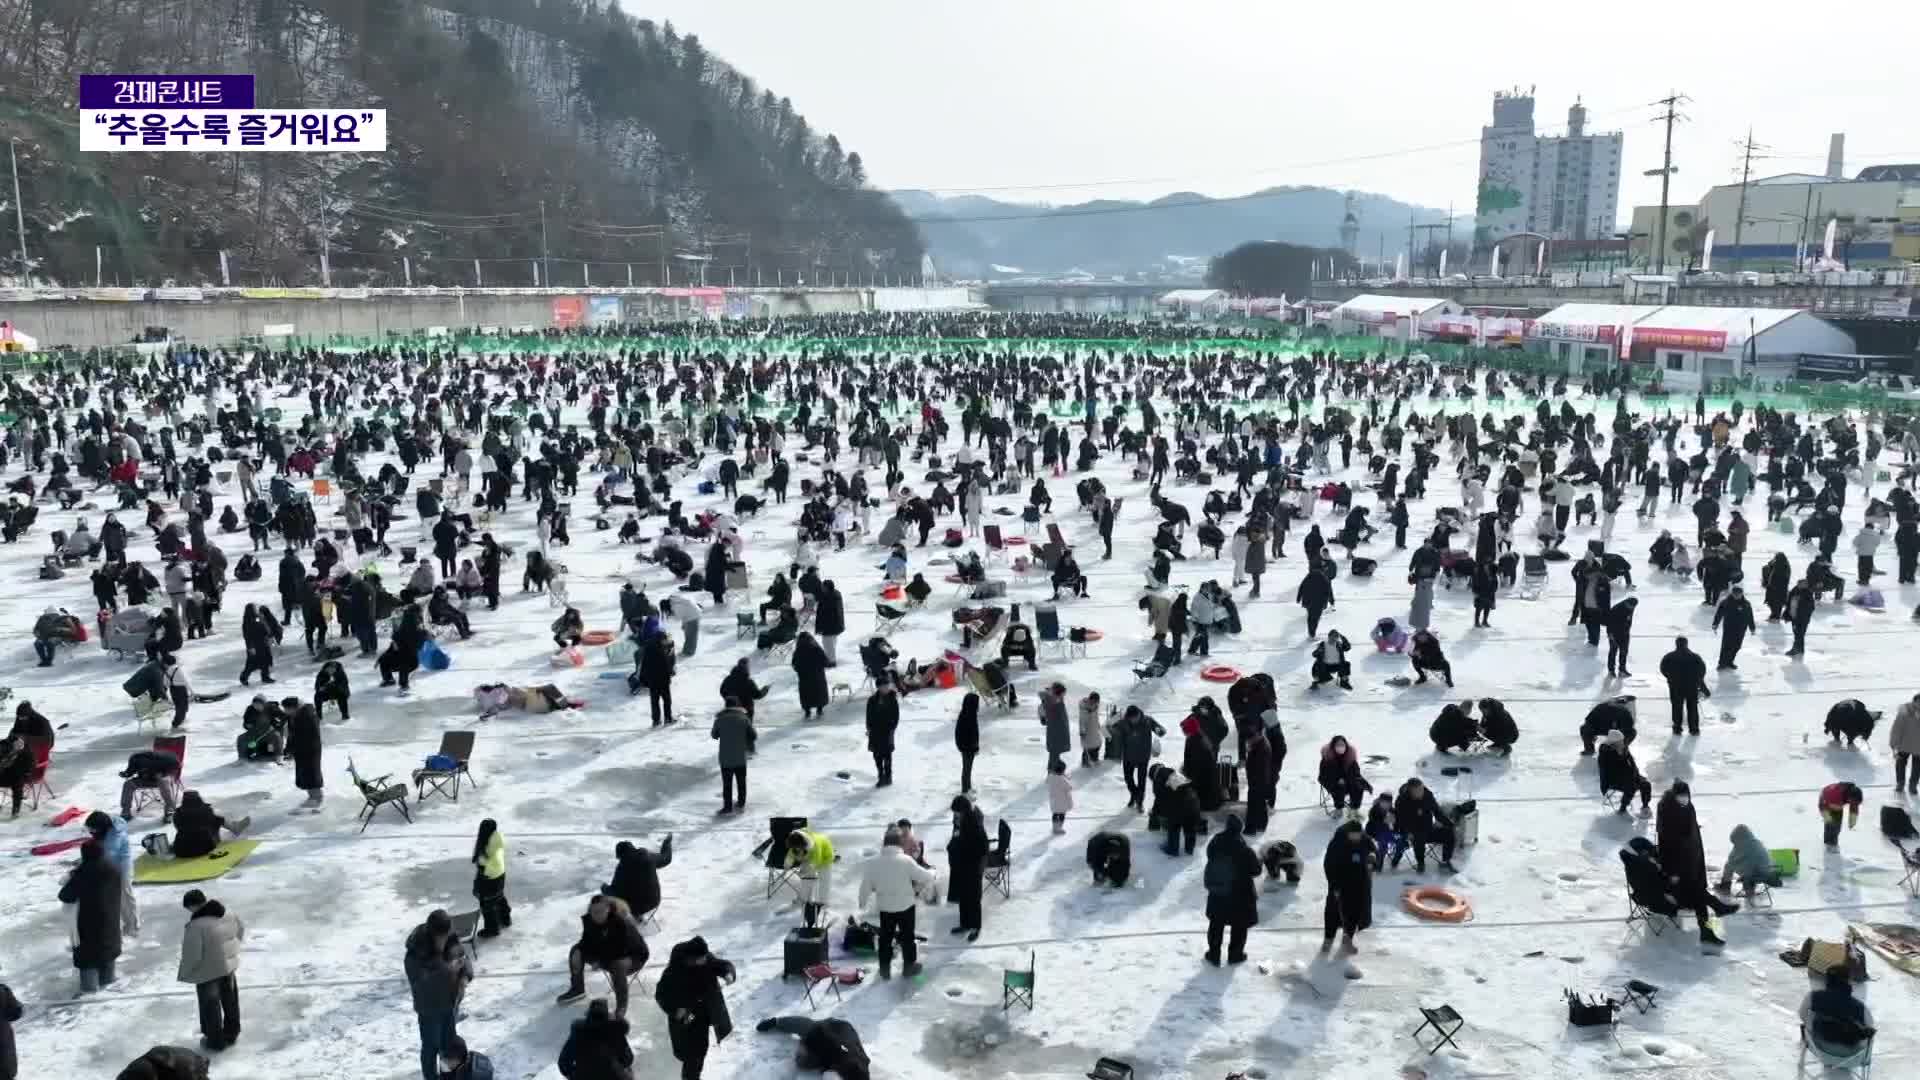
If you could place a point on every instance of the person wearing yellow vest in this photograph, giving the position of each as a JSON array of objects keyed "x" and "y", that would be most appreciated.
[
  {"x": 490, "y": 879},
  {"x": 812, "y": 854}
]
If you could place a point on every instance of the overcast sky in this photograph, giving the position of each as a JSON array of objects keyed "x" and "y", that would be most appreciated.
[{"x": 1064, "y": 100}]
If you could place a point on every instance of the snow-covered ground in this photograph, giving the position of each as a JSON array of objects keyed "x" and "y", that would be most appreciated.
[{"x": 1119, "y": 972}]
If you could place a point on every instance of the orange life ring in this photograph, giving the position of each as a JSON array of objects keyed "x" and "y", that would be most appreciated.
[
  {"x": 1013, "y": 541},
  {"x": 1091, "y": 635},
  {"x": 1220, "y": 673},
  {"x": 597, "y": 637},
  {"x": 1436, "y": 903}
]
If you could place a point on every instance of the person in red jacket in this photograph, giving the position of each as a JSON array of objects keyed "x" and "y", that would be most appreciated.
[{"x": 1837, "y": 799}]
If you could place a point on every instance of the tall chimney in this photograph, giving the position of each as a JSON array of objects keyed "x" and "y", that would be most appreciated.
[{"x": 1836, "y": 156}]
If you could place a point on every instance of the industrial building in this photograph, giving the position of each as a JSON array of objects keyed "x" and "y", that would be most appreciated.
[{"x": 1566, "y": 187}]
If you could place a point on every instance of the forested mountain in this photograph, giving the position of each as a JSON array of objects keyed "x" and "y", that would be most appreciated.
[
  {"x": 969, "y": 234},
  {"x": 640, "y": 143}
]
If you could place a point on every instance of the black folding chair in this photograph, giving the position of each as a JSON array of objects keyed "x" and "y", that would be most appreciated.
[
  {"x": 1650, "y": 918},
  {"x": 1445, "y": 1023},
  {"x": 999, "y": 864},
  {"x": 457, "y": 745},
  {"x": 378, "y": 793}
]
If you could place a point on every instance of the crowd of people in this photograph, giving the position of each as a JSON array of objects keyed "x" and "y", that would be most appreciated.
[{"x": 423, "y": 461}]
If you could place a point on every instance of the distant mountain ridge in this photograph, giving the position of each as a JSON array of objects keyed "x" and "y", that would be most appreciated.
[{"x": 968, "y": 234}]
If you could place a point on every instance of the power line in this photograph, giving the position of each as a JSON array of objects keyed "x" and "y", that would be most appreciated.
[{"x": 1374, "y": 156}]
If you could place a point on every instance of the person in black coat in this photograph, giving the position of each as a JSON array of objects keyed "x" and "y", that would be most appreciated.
[
  {"x": 1906, "y": 546},
  {"x": 1233, "y": 904},
  {"x": 1176, "y": 809},
  {"x": 1417, "y": 815},
  {"x": 1776, "y": 579},
  {"x": 966, "y": 865},
  {"x": 610, "y": 940},
  {"x": 689, "y": 992},
  {"x": 596, "y": 1047},
  {"x": 402, "y": 655},
  {"x": 446, "y": 539},
  {"x": 636, "y": 875},
  {"x": 303, "y": 746},
  {"x": 810, "y": 664},
  {"x": 330, "y": 684},
  {"x": 10, "y": 1012},
  {"x": 1316, "y": 595},
  {"x": 1497, "y": 726},
  {"x": 830, "y": 1045},
  {"x": 966, "y": 738},
  {"x": 1454, "y": 729},
  {"x": 1686, "y": 676},
  {"x": 739, "y": 686},
  {"x": 293, "y": 575},
  {"x": 95, "y": 887},
  {"x": 718, "y": 558},
  {"x": 1486, "y": 591},
  {"x": 1619, "y": 772},
  {"x": 1734, "y": 619},
  {"x": 883, "y": 717},
  {"x": 830, "y": 621},
  {"x": 1426, "y": 656},
  {"x": 196, "y": 828},
  {"x": 1349, "y": 865},
  {"x": 654, "y": 673},
  {"x": 1620, "y": 635},
  {"x": 166, "y": 1063}
]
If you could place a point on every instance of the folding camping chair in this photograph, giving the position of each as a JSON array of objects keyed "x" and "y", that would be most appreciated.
[
  {"x": 1055, "y": 538},
  {"x": 1640, "y": 994},
  {"x": 322, "y": 489},
  {"x": 378, "y": 793},
  {"x": 457, "y": 745},
  {"x": 818, "y": 975},
  {"x": 1445, "y": 1023},
  {"x": 1016, "y": 987},
  {"x": 41, "y": 748},
  {"x": 1533, "y": 577},
  {"x": 744, "y": 625},
  {"x": 779, "y": 874},
  {"x": 1856, "y": 1061},
  {"x": 1046, "y": 620},
  {"x": 999, "y": 865},
  {"x": 174, "y": 783},
  {"x": 1911, "y": 882},
  {"x": 1649, "y": 918},
  {"x": 887, "y": 619},
  {"x": 996, "y": 544},
  {"x": 982, "y": 684},
  {"x": 466, "y": 931}
]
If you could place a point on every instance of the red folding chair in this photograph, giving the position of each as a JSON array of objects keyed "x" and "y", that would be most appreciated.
[
  {"x": 42, "y": 750},
  {"x": 996, "y": 544}
]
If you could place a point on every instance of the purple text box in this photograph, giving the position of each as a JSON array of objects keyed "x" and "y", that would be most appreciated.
[{"x": 166, "y": 91}]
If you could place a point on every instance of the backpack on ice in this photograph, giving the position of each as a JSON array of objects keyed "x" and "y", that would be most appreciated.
[
  {"x": 1897, "y": 824},
  {"x": 954, "y": 539},
  {"x": 247, "y": 569}
]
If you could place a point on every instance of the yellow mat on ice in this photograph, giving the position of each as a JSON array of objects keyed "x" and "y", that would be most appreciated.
[{"x": 148, "y": 870}]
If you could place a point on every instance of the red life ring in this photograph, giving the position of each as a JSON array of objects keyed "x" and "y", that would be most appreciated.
[
  {"x": 1091, "y": 635},
  {"x": 597, "y": 637},
  {"x": 1436, "y": 903},
  {"x": 1013, "y": 541},
  {"x": 1220, "y": 673}
]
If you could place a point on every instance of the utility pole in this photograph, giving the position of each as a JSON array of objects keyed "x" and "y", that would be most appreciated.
[
  {"x": 1410, "y": 249},
  {"x": 666, "y": 241},
  {"x": 1740, "y": 215},
  {"x": 546, "y": 268},
  {"x": 19, "y": 214},
  {"x": 1666, "y": 171},
  {"x": 326, "y": 239}
]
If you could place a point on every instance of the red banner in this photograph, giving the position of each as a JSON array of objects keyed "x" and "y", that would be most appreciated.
[
  {"x": 569, "y": 311},
  {"x": 1695, "y": 340}
]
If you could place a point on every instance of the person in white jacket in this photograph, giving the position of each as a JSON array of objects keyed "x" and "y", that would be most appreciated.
[
  {"x": 1905, "y": 739},
  {"x": 1865, "y": 543},
  {"x": 894, "y": 882},
  {"x": 209, "y": 956}
]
